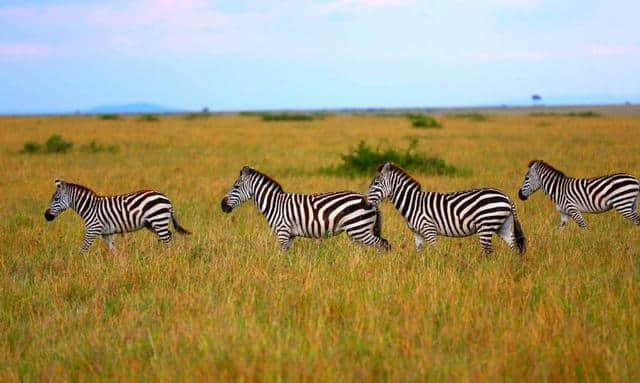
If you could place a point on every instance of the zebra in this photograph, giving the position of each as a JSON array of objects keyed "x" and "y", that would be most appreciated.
[
  {"x": 574, "y": 196},
  {"x": 107, "y": 215},
  {"x": 459, "y": 214},
  {"x": 301, "y": 215}
]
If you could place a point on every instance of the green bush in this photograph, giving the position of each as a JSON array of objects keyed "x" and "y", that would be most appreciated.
[
  {"x": 148, "y": 118},
  {"x": 94, "y": 147},
  {"x": 56, "y": 144},
  {"x": 588, "y": 113},
  {"x": 364, "y": 160},
  {"x": 31, "y": 147},
  {"x": 471, "y": 116},
  {"x": 196, "y": 115},
  {"x": 423, "y": 121},
  {"x": 109, "y": 116}
]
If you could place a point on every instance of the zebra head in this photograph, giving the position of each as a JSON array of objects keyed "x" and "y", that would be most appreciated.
[
  {"x": 531, "y": 181},
  {"x": 380, "y": 187},
  {"x": 60, "y": 201},
  {"x": 240, "y": 191}
]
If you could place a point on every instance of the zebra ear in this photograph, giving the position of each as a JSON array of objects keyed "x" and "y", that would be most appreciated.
[
  {"x": 384, "y": 168},
  {"x": 246, "y": 170},
  {"x": 59, "y": 183}
]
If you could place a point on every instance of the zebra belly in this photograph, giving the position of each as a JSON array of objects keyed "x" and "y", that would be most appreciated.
[{"x": 461, "y": 232}]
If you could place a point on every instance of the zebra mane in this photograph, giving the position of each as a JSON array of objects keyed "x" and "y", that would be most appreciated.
[
  {"x": 268, "y": 179},
  {"x": 81, "y": 187},
  {"x": 546, "y": 165},
  {"x": 403, "y": 172}
]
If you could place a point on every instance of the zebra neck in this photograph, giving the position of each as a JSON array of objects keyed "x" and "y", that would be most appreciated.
[
  {"x": 83, "y": 202},
  {"x": 402, "y": 195},
  {"x": 266, "y": 196},
  {"x": 552, "y": 184}
]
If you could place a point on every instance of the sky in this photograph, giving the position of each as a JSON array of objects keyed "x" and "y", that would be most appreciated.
[{"x": 60, "y": 56}]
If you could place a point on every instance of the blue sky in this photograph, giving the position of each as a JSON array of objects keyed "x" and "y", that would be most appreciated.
[{"x": 66, "y": 55}]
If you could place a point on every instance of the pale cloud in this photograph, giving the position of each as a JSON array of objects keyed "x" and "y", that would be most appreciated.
[
  {"x": 23, "y": 50},
  {"x": 591, "y": 50}
]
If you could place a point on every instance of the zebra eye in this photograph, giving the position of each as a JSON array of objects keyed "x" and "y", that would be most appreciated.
[{"x": 56, "y": 199}]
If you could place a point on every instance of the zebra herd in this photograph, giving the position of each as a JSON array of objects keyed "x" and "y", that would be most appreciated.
[{"x": 428, "y": 214}]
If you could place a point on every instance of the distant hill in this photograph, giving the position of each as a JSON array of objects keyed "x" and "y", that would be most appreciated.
[{"x": 132, "y": 108}]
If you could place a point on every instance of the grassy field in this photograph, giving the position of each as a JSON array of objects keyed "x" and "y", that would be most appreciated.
[{"x": 225, "y": 305}]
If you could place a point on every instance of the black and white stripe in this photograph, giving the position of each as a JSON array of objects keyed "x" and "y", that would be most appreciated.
[
  {"x": 107, "y": 215},
  {"x": 574, "y": 196},
  {"x": 313, "y": 216},
  {"x": 459, "y": 214}
]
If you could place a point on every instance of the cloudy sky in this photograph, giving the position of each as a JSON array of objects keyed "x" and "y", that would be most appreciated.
[{"x": 66, "y": 55}]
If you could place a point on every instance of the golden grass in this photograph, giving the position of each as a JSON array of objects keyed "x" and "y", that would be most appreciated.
[{"x": 224, "y": 304}]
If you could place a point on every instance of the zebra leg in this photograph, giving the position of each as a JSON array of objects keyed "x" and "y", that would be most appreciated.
[
  {"x": 367, "y": 238},
  {"x": 575, "y": 214},
  {"x": 427, "y": 233},
  {"x": 161, "y": 229},
  {"x": 419, "y": 241},
  {"x": 506, "y": 232},
  {"x": 285, "y": 239},
  {"x": 89, "y": 236},
  {"x": 485, "y": 237},
  {"x": 628, "y": 210},
  {"x": 564, "y": 219},
  {"x": 108, "y": 239}
]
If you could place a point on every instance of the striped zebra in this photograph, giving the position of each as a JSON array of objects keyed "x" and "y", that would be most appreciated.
[
  {"x": 312, "y": 216},
  {"x": 574, "y": 196},
  {"x": 107, "y": 215},
  {"x": 459, "y": 214}
]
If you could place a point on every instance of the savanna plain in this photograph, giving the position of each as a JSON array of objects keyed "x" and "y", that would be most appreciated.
[{"x": 224, "y": 304}]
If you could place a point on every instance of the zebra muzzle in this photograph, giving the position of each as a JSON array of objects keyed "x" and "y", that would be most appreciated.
[
  {"x": 225, "y": 206},
  {"x": 48, "y": 216},
  {"x": 522, "y": 196}
]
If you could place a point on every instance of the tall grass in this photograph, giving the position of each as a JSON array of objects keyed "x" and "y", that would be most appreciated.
[{"x": 226, "y": 305}]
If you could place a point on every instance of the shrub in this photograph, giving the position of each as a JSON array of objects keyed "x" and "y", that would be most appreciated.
[
  {"x": 56, "y": 144},
  {"x": 148, "y": 118},
  {"x": 94, "y": 147},
  {"x": 195, "y": 115},
  {"x": 364, "y": 160},
  {"x": 471, "y": 116},
  {"x": 423, "y": 121},
  {"x": 31, "y": 147},
  {"x": 588, "y": 113},
  {"x": 109, "y": 116}
]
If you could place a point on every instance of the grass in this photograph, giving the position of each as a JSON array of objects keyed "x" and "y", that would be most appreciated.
[
  {"x": 225, "y": 305},
  {"x": 364, "y": 160}
]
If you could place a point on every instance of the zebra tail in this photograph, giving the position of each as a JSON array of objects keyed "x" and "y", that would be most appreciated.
[
  {"x": 177, "y": 226},
  {"x": 519, "y": 235}
]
